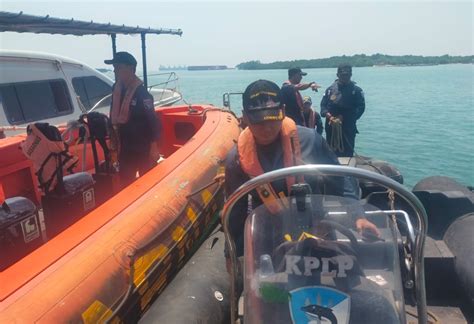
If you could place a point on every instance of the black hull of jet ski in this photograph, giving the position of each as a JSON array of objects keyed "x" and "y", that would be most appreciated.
[{"x": 200, "y": 291}]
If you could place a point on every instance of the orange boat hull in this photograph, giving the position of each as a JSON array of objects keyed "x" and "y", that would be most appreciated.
[{"x": 118, "y": 258}]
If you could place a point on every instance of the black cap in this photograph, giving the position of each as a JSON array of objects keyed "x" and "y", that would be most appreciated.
[
  {"x": 262, "y": 102},
  {"x": 294, "y": 71},
  {"x": 344, "y": 69},
  {"x": 122, "y": 58}
]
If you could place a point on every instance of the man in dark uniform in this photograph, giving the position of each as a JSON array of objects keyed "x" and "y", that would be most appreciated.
[
  {"x": 133, "y": 116},
  {"x": 291, "y": 96},
  {"x": 264, "y": 143},
  {"x": 343, "y": 104}
]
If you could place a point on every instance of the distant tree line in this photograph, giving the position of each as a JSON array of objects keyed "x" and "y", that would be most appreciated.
[{"x": 358, "y": 60}]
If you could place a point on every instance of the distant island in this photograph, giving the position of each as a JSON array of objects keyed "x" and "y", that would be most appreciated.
[
  {"x": 359, "y": 60},
  {"x": 206, "y": 67}
]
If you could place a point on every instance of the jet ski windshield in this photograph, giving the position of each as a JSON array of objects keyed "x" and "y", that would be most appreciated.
[{"x": 322, "y": 259}]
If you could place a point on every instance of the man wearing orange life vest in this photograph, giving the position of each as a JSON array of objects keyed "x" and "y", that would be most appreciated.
[
  {"x": 133, "y": 114},
  {"x": 273, "y": 141}
]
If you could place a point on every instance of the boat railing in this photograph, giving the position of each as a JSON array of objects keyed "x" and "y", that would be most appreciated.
[
  {"x": 226, "y": 98},
  {"x": 171, "y": 83}
]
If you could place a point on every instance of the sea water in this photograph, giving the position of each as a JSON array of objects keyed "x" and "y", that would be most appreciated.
[{"x": 419, "y": 118}]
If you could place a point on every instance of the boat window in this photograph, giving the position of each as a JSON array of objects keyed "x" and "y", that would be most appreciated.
[
  {"x": 31, "y": 101},
  {"x": 91, "y": 89},
  {"x": 11, "y": 105}
]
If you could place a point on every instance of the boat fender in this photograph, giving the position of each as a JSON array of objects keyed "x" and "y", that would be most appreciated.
[
  {"x": 200, "y": 292},
  {"x": 460, "y": 240},
  {"x": 444, "y": 200}
]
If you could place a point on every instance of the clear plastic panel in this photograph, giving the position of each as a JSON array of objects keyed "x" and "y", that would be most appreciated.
[{"x": 309, "y": 264}]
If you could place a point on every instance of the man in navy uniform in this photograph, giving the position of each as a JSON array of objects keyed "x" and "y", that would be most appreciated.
[
  {"x": 133, "y": 116},
  {"x": 270, "y": 142},
  {"x": 343, "y": 104}
]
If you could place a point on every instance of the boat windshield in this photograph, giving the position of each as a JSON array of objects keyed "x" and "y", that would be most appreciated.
[{"x": 307, "y": 263}]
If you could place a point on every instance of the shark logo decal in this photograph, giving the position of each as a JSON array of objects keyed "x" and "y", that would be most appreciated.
[{"x": 319, "y": 305}]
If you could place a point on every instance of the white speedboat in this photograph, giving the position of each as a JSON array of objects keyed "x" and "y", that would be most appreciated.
[{"x": 45, "y": 87}]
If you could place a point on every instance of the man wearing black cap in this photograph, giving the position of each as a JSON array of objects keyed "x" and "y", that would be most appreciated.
[
  {"x": 343, "y": 104},
  {"x": 291, "y": 96},
  {"x": 133, "y": 116},
  {"x": 270, "y": 142}
]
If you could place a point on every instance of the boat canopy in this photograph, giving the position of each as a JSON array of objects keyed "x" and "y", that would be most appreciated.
[{"x": 23, "y": 23}]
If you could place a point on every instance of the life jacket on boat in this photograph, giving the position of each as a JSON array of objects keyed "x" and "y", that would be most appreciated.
[
  {"x": 250, "y": 164},
  {"x": 46, "y": 149}
]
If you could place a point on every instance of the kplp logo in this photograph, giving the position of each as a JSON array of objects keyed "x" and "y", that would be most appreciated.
[{"x": 317, "y": 305}]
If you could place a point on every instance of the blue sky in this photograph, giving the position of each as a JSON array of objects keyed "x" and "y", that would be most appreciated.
[{"x": 225, "y": 32}]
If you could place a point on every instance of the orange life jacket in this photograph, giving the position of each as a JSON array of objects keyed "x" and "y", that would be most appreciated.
[
  {"x": 120, "y": 110},
  {"x": 45, "y": 155},
  {"x": 250, "y": 164}
]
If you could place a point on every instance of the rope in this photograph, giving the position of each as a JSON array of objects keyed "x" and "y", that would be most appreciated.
[
  {"x": 434, "y": 318},
  {"x": 336, "y": 142}
]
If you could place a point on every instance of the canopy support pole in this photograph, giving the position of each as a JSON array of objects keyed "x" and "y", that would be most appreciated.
[
  {"x": 145, "y": 78},
  {"x": 114, "y": 45}
]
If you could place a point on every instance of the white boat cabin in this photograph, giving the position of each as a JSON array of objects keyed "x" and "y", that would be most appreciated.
[{"x": 50, "y": 88}]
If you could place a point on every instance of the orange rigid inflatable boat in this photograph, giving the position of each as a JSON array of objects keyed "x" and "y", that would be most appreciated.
[{"x": 115, "y": 260}]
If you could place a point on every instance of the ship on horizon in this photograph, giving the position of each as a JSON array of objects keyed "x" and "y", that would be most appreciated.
[{"x": 206, "y": 67}]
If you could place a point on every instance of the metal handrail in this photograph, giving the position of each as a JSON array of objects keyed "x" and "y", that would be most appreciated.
[
  {"x": 334, "y": 170},
  {"x": 99, "y": 103},
  {"x": 226, "y": 98},
  {"x": 172, "y": 77}
]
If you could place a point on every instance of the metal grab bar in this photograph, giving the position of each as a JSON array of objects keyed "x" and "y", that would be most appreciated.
[
  {"x": 334, "y": 170},
  {"x": 226, "y": 98},
  {"x": 172, "y": 78}
]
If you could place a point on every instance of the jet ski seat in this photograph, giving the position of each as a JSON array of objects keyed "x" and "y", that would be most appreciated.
[{"x": 20, "y": 230}]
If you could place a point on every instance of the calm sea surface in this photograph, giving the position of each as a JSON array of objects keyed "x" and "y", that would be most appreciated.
[{"x": 421, "y": 119}]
